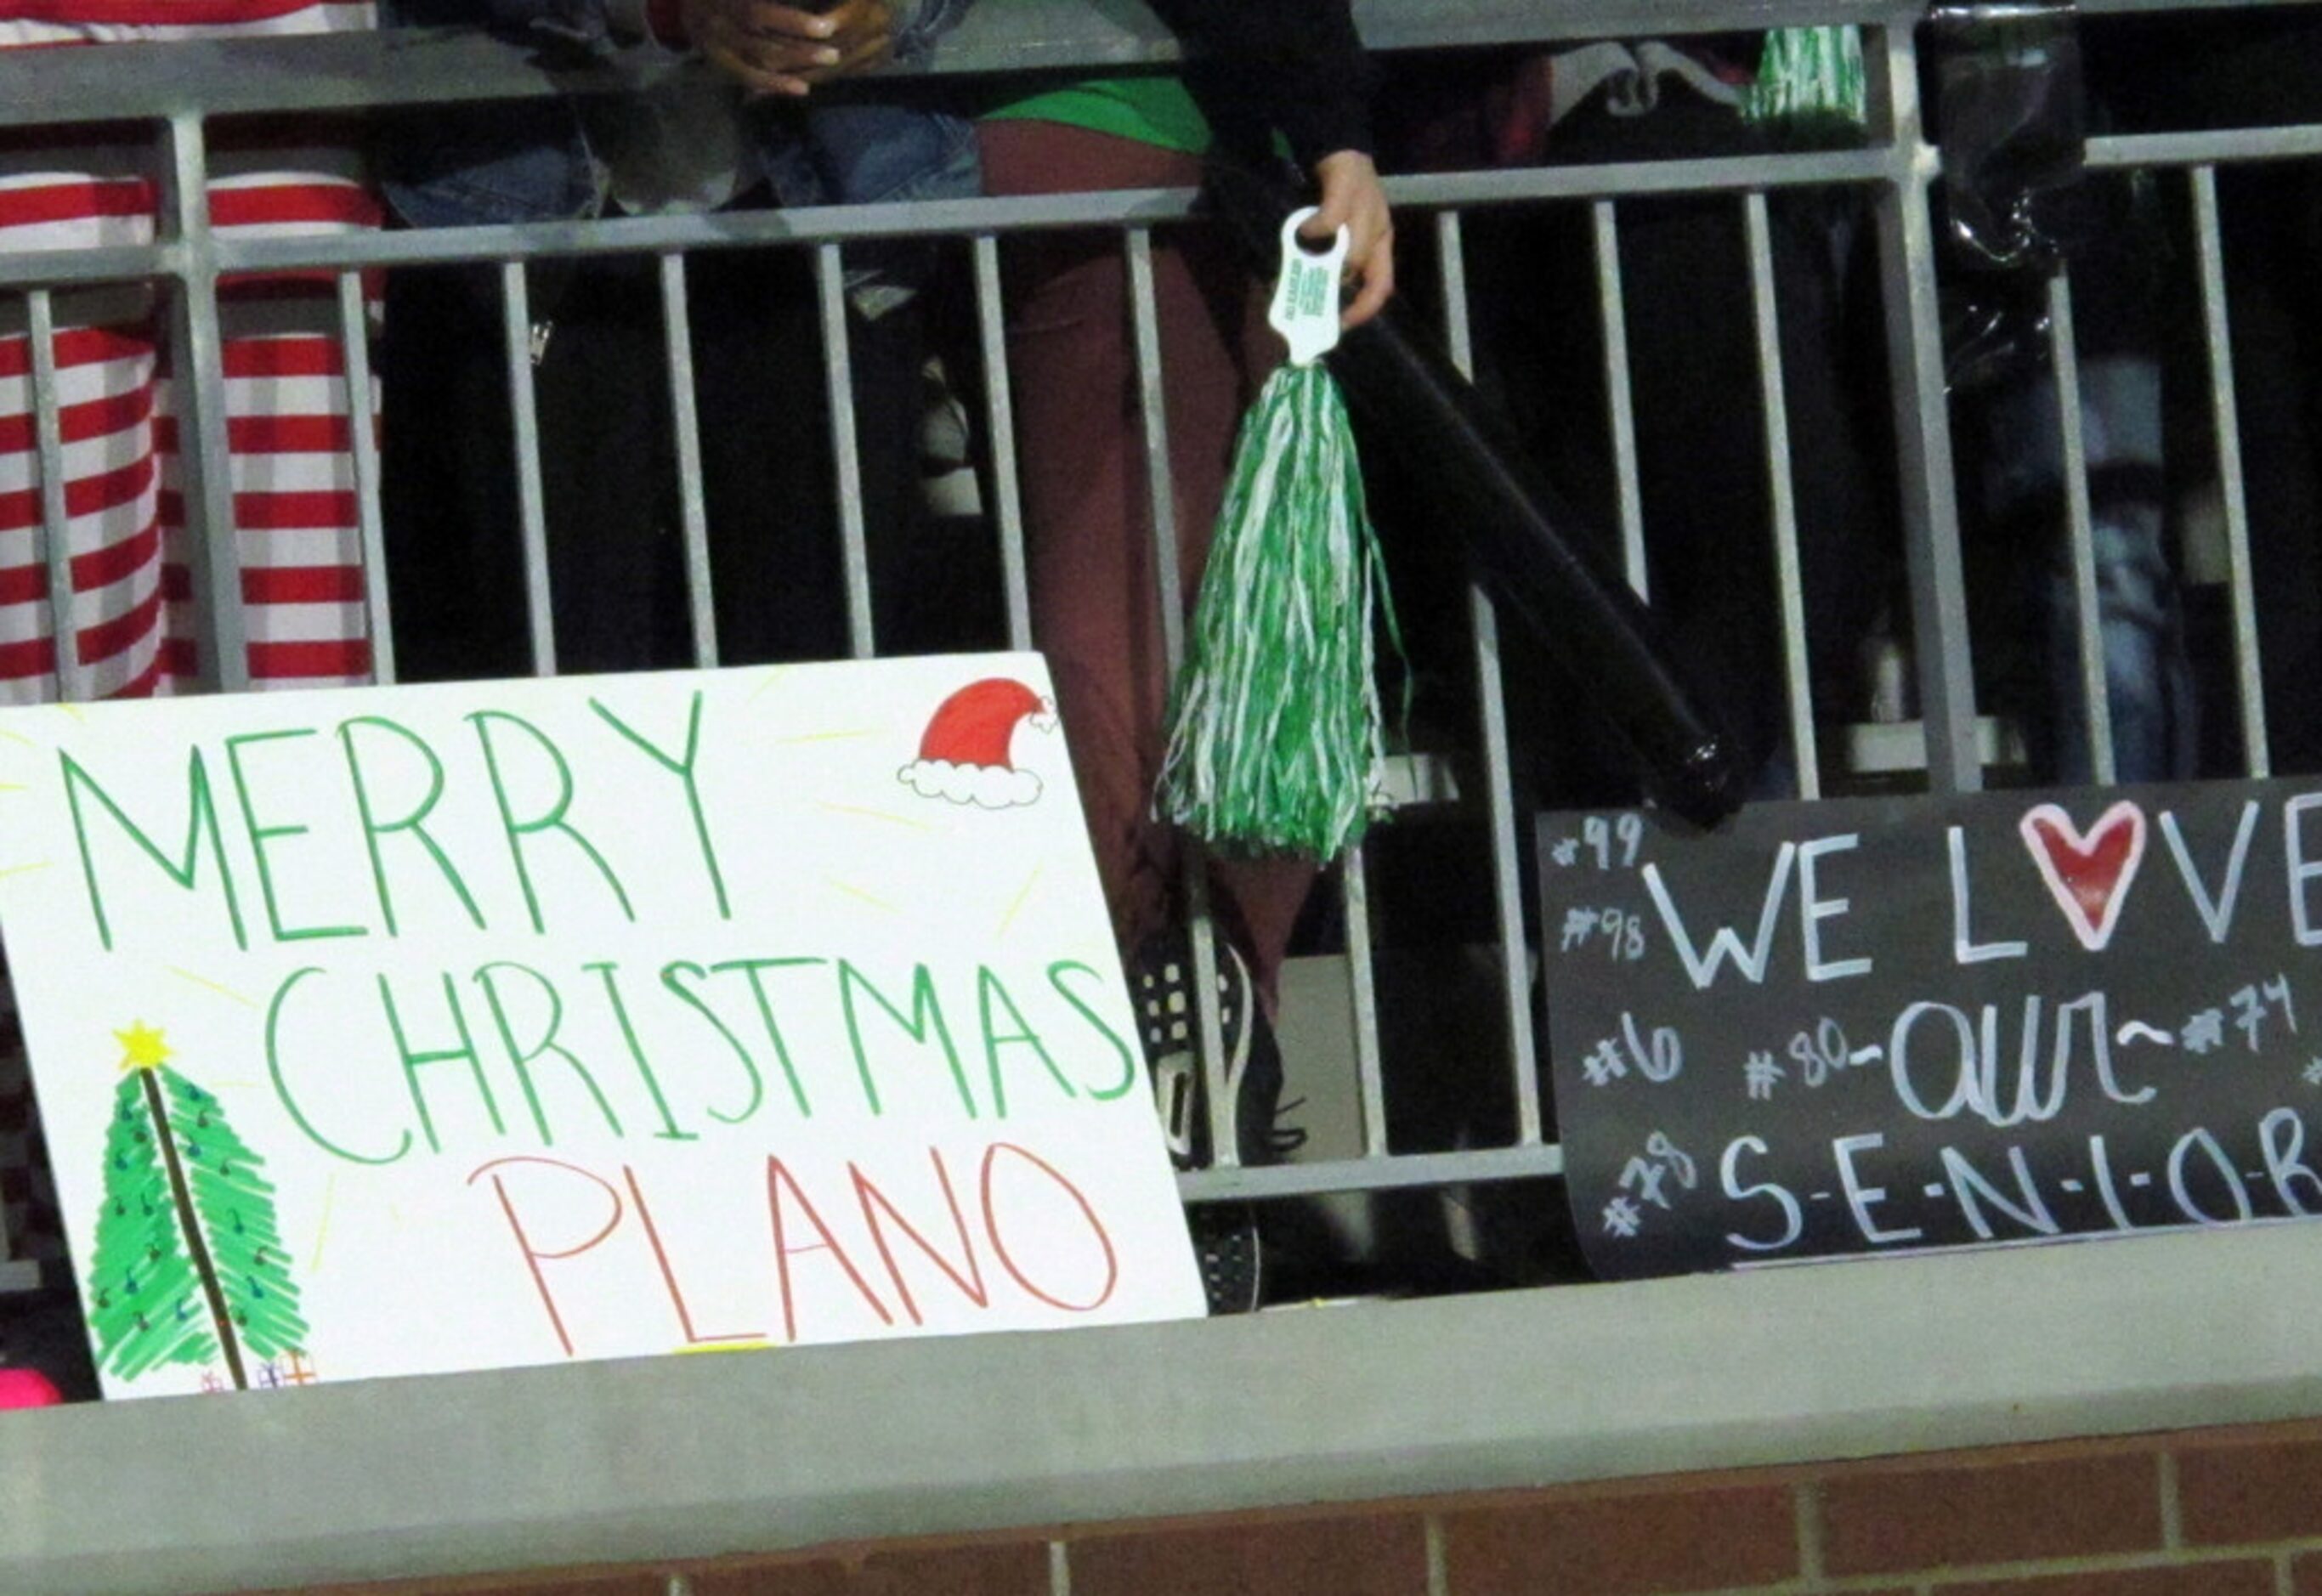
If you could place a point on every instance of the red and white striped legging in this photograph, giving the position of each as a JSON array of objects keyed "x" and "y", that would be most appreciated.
[{"x": 288, "y": 416}]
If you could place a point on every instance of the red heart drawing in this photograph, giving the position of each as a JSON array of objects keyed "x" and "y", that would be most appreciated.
[{"x": 2088, "y": 874}]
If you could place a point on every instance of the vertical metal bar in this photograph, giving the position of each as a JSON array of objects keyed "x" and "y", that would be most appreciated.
[
  {"x": 198, "y": 390},
  {"x": 1614, "y": 317},
  {"x": 838, "y": 374},
  {"x": 685, "y": 421},
  {"x": 55, "y": 518},
  {"x": 2224, "y": 409},
  {"x": 1915, "y": 353},
  {"x": 362, "y": 441},
  {"x": 1878, "y": 98},
  {"x": 516, "y": 342},
  {"x": 1451, "y": 259},
  {"x": 2079, "y": 526},
  {"x": 1362, "y": 991},
  {"x": 1483, "y": 620},
  {"x": 1000, "y": 417},
  {"x": 1225, "y": 1150},
  {"x": 1782, "y": 499},
  {"x": 1161, "y": 502}
]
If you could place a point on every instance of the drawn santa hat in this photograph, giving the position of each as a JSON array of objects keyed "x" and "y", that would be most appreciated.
[{"x": 965, "y": 753}]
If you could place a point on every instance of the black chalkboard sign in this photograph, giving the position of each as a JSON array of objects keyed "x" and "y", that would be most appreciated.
[{"x": 1886, "y": 1026}]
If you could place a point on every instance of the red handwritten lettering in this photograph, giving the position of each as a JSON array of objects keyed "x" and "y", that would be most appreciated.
[
  {"x": 534, "y": 1255},
  {"x": 777, "y": 1178},
  {"x": 669, "y": 1275},
  {"x": 1096, "y": 1226},
  {"x": 971, "y": 1285}
]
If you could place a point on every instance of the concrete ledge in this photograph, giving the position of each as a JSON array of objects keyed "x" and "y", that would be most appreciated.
[{"x": 685, "y": 1457}]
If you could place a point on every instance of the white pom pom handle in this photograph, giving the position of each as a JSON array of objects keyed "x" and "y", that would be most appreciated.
[{"x": 1305, "y": 308}]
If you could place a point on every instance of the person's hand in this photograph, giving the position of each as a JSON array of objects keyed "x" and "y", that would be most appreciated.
[
  {"x": 780, "y": 49},
  {"x": 1352, "y": 198}
]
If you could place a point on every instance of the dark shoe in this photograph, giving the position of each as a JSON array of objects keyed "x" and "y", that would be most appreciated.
[
  {"x": 1161, "y": 986},
  {"x": 1231, "y": 1253}
]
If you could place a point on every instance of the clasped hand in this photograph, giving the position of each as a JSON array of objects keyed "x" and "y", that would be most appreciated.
[{"x": 781, "y": 50}]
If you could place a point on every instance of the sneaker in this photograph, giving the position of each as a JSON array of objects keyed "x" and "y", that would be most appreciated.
[
  {"x": 1232, "y": 1259},
  {"x": 1161, "y": 982}
]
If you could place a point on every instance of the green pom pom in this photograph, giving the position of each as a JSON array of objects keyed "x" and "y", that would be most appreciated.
[
  {"x": 1275, "y": 731},
  {"x": 1809, "y": 75}
]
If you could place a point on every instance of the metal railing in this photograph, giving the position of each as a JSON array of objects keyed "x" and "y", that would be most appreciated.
[
  {"x": 179, "y": 90},
  {"x": 1324, "y": 1406}
]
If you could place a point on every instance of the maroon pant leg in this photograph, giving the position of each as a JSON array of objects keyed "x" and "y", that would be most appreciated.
[{"x": 1096, "y": 610}]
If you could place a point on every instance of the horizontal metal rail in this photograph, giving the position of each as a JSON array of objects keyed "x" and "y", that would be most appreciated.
[
  {"x": 2123, "y": 150},
  {"x": 1127, "y": 207},
  {"x": 1380, "y": 1173}
]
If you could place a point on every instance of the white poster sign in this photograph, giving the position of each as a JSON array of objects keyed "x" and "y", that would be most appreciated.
[{"x": 420, "y": 1029}]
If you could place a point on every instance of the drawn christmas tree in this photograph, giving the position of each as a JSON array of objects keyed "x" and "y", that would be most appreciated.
[{"x": 189, "y": 1263}]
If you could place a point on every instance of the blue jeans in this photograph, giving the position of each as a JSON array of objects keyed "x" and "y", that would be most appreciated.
[
  {"x": 2148, "y": 679},
  {"x": 531, "y": 160}
]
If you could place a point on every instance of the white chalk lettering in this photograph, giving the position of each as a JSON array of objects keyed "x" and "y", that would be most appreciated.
[
  {"x": 2099, "y": 1047},
  {"x": 2177, "y": 1156},
  {"x": 2282, "y": 1135},
  {"x": 1972, "y": 1192},
  {"x": 1898, "y": 1061},
  {"x": 2301, "y": 870},
  {"x": 1794, "y": 1219},
  {"x": 1813, "y": 910},
  {"x": 2029, "y": 1103},
  {"x": 1723, "y": 944},
  {"x": 1860, "y": 1197},
  {"x": 2039, "y": 1091},
  {"x": 1965, "y": 949},
  {"x": 2217, "y": 913},
  {"x": 2101, "y": 1162}
]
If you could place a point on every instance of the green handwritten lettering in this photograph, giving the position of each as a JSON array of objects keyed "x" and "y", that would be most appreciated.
[
  {"x": 926, "y": 1015},
  {"x": 201, "y": 822},
  {"x": 415, "y": 822},
  {"x": 522, "y": 1056},
  {"x": 260, "y": 836},
  {"x": 415, "y": 1059},
  {"x": 669, "y": 1132},
  {"x": 552, "y": 819},
  {"x": 682, "y": 769},
  {"x": 991, "y": 992},
  {"x": 282, "y": 1085},
  {"x": 754, "y": 970},
  {"x": 669, "y": 973},
  {"x": 1129, "y": 1073}
]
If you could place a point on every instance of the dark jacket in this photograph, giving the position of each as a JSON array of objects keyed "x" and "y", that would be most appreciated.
[{"x": 1262, "y": 66}]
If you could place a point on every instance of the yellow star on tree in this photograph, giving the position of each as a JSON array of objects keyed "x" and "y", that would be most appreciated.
[{"x": 143, "y": 1047}]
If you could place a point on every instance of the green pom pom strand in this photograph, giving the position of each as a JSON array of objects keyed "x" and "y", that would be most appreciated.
[
  {"x": 1809, "y": 75},
  {"x": 1275, "y": 731}
]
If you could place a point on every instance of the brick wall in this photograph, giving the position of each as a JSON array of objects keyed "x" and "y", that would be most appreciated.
[{"x": 2206, "y": 1513}]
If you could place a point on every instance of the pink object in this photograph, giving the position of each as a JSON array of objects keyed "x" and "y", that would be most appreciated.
[{"x": 28, "y": 1387}]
